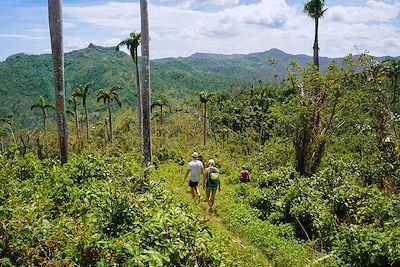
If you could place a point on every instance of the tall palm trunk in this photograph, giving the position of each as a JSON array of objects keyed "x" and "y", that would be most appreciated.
[
  {"x": 161, "y": 115},
  {"x": 86, "y": 118},
  {"x": 138, "y": 96},
  {"x": 204, "y": 124},
  {"x": 76, "y": 122},
  {"x": 56, "y": 36},
  {"x": 146, "y": 91},
  {"x": 394, "y": 88},
  {"x": 44, "y": 120},
  {"x": 315, "y": 47},
  {"x": 110, "y": 123}
]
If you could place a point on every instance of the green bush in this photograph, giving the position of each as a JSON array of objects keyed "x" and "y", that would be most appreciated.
[
  {"x": 364, "y": 246},
  {"x": 89, "y": 213},
  {"x": 85, "y": 167}
]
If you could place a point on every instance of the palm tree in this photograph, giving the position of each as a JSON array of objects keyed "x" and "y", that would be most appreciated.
[
  {"x": 204, "y": 98},
  {"x": 315, "y": 10},
  {"x": 83, "y": 91},
  {"x": 43, "y": 105},
  {"x": 56, "y": 36},
  {"x": 108, "y": 96},
  {"x": 161, "y": 102},
  {"x": 74, "y": 103},
  {"x": 7, "y": 121},
  {"x": 2, "y": 134},
  {"x": 391, "y": 68},
  {"x": 146, "y": 91},
  {"x": 132, "y": 43}
]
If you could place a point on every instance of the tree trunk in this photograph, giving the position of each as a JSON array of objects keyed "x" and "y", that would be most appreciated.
[
  {"x": 394, "y": 86},
  {"x": 146, "y": 91},
  {"x": 44, "y": 120},
  {"x": 107, "y": 130},
  {"x": 56, "y": 36},
  {"x": 260, "y": 138},
  {"x": 205, "y": 124},
  {"x": 138, "y": 97},
  {"x": 110, "y": 123},
  {"x": 86, "y": 118},
  {"x": 76, "y": 123},
  {"x": 315, "y": 47},
  {"x": 12, "y": 134},
  {"x": 161, "y": 115},
  {"x": 1, "y": 145}
]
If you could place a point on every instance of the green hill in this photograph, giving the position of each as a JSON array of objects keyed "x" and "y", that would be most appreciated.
[{"x": 24, "y": 77}]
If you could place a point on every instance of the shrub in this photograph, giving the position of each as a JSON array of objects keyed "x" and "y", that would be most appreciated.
[
  {"x": 86, "y": 167},
  {"x": 364, "y": 246}
]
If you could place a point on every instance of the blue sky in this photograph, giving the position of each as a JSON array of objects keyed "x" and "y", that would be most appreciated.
[{"x": 183, "y": 27}]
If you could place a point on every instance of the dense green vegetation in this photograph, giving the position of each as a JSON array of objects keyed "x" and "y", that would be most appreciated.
[
  {"x": 322, "y": 148},
  {"x": 95, "y": 211}
]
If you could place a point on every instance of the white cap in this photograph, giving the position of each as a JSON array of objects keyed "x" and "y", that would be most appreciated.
[{"x": 211, "y": 162}]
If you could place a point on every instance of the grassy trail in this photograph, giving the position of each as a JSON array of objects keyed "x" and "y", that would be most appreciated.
[{"x": 244, "y": 253}]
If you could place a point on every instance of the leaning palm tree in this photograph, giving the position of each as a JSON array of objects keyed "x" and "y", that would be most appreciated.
[
  {"x": 43, "y": 105},
  {"x": 56, "y": 36},
  {"x": 146, "y": 91},
  {"x": 83, "y": 92},
  {"x": 315, "y": 10},
  {"x": 108, "y": 96},
  {"x": 8, "y": 122},
  {"x": 74, "y": 104},
  {"x": 204, "y": 98},
  {"x": 132, "y": 43}
]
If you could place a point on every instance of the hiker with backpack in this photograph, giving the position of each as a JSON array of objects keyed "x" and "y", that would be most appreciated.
[
  {"x": 211, "y": 182},
  {"x": 244, "y": 175},
  {"x": 196, "y": 170}
]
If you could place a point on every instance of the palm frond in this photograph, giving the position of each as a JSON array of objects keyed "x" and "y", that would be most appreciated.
[{"x": 37, "y": 105}]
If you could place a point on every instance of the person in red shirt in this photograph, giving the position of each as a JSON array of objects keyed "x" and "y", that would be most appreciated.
[{"x": 244, "y": 175}]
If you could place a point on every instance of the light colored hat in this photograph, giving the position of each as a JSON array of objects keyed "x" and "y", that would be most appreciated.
[
  {"x": 211, "y": 162},
  {"x": 195, "y": 155}
]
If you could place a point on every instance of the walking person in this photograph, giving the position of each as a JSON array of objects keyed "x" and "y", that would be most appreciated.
[
  {"x": 212, "y": 182},
  {"x": 244, "y": 175},
  {"x": 196, "y": 170}
]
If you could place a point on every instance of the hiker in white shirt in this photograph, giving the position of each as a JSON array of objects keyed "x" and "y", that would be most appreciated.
[{"x": 196, "y": 169}]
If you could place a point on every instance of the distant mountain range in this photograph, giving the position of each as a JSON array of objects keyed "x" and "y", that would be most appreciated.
[{"x": 24, "y": 77}]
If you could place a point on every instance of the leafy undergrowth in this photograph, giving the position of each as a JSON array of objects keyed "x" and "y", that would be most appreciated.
[
  {"x": 357, "y": 225},
  {"x": 251, "y": 241},
  {"x": 96, "y": 211},
  {"x": 337, "y": 217}
]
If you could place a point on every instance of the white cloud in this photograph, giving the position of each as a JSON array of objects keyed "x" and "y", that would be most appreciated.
[
  {"x": 38, "y": 30},
  {"x": 112, "y": 14},
  {"x": 177, "y": 29},
  {"x": 195, "y": 3},
  {"x": 373, "y": 11},
  {"x": 74, "y": 43},
  {"x": 110, "y": 42},
  {"x": 272, "y": 13},
  {"x": 21, "y": 36}
]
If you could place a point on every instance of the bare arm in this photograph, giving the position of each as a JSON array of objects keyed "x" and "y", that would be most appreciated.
[
  {"x": 203, "y": 171},
  {"x": 186, "y": 175}
]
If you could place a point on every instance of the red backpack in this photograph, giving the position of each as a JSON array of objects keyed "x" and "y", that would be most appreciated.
[{"x": 244, "y": 176}]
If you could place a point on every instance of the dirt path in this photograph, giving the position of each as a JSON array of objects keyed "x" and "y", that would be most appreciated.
[{"x": 242, "y": 251}]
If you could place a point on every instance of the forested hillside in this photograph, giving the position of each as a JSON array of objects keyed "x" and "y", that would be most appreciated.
[{"x": 24, "y": 77}]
